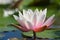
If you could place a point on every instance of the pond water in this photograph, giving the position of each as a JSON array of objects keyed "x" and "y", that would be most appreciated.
[
  {"x": 12, "y": 36},
  {"x": 17, "y": 35},
  {"x": 29, "y": 39}
]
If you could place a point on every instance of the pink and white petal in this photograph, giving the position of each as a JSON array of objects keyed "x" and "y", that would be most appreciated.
[
  {"x": 38, "y": 17},
  {"x": 41, "y": 17},
  {"x": 30, "y": 13},
  {"x": 28, "y": 25},
  {"x": 44, "y": 12},
  {"x": 26, "y": 15},
  {"x": 34, "y": 19},
  {"x": 24, "y": 29},
  {"x": 24, "y": 22},
  {"x": 19, "y": 20},
  {"x": 40, "y": 21},
  {"x": 49, "y": 21},
  {"x": 21, "y": 28}
]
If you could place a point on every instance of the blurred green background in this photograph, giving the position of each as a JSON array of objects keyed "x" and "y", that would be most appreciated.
[{"x": 53, "y": 7}]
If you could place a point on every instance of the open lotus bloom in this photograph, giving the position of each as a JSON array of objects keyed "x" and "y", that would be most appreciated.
[{"x": 35, "y": 21}]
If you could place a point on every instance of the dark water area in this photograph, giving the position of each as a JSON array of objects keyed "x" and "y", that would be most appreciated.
[
  {"x": 10, "y": 34},
  {"x": 17, "y": 35}
]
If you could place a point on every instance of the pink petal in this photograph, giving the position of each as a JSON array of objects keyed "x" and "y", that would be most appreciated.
[
  {"x": 41, "y": 21},
  {"x": 21, "y": 28},
  {"x": 39, "y": 29},
  {"x": 34, "y": 19},
  {"x": 49, "y": 21},
  {"x": 28, "y": 25}
]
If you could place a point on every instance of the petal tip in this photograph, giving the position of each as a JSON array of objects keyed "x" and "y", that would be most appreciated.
[
  {"x": 45, "y": 9},
  {"x": 36, "y": 9},
  {"x": 15, "y": 17}
]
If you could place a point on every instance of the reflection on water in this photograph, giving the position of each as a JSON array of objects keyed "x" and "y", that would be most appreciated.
[
  {"x": 16, "y": 35},
  {"x": 10, "y": 35}
]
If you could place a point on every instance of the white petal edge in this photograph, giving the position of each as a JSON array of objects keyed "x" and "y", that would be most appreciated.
[
  {"x": 44, "y": 11},
  {"x": 16, "y": 17}
]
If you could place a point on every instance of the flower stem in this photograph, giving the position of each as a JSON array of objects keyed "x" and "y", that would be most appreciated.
[{"x": 34, "y": 35}]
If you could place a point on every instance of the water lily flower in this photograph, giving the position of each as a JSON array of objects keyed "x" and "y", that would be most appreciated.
[
  {"x": 4, "y": 2},
  {"x": 8, "y": 12},
  {"x": 35, "y": 21}
]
